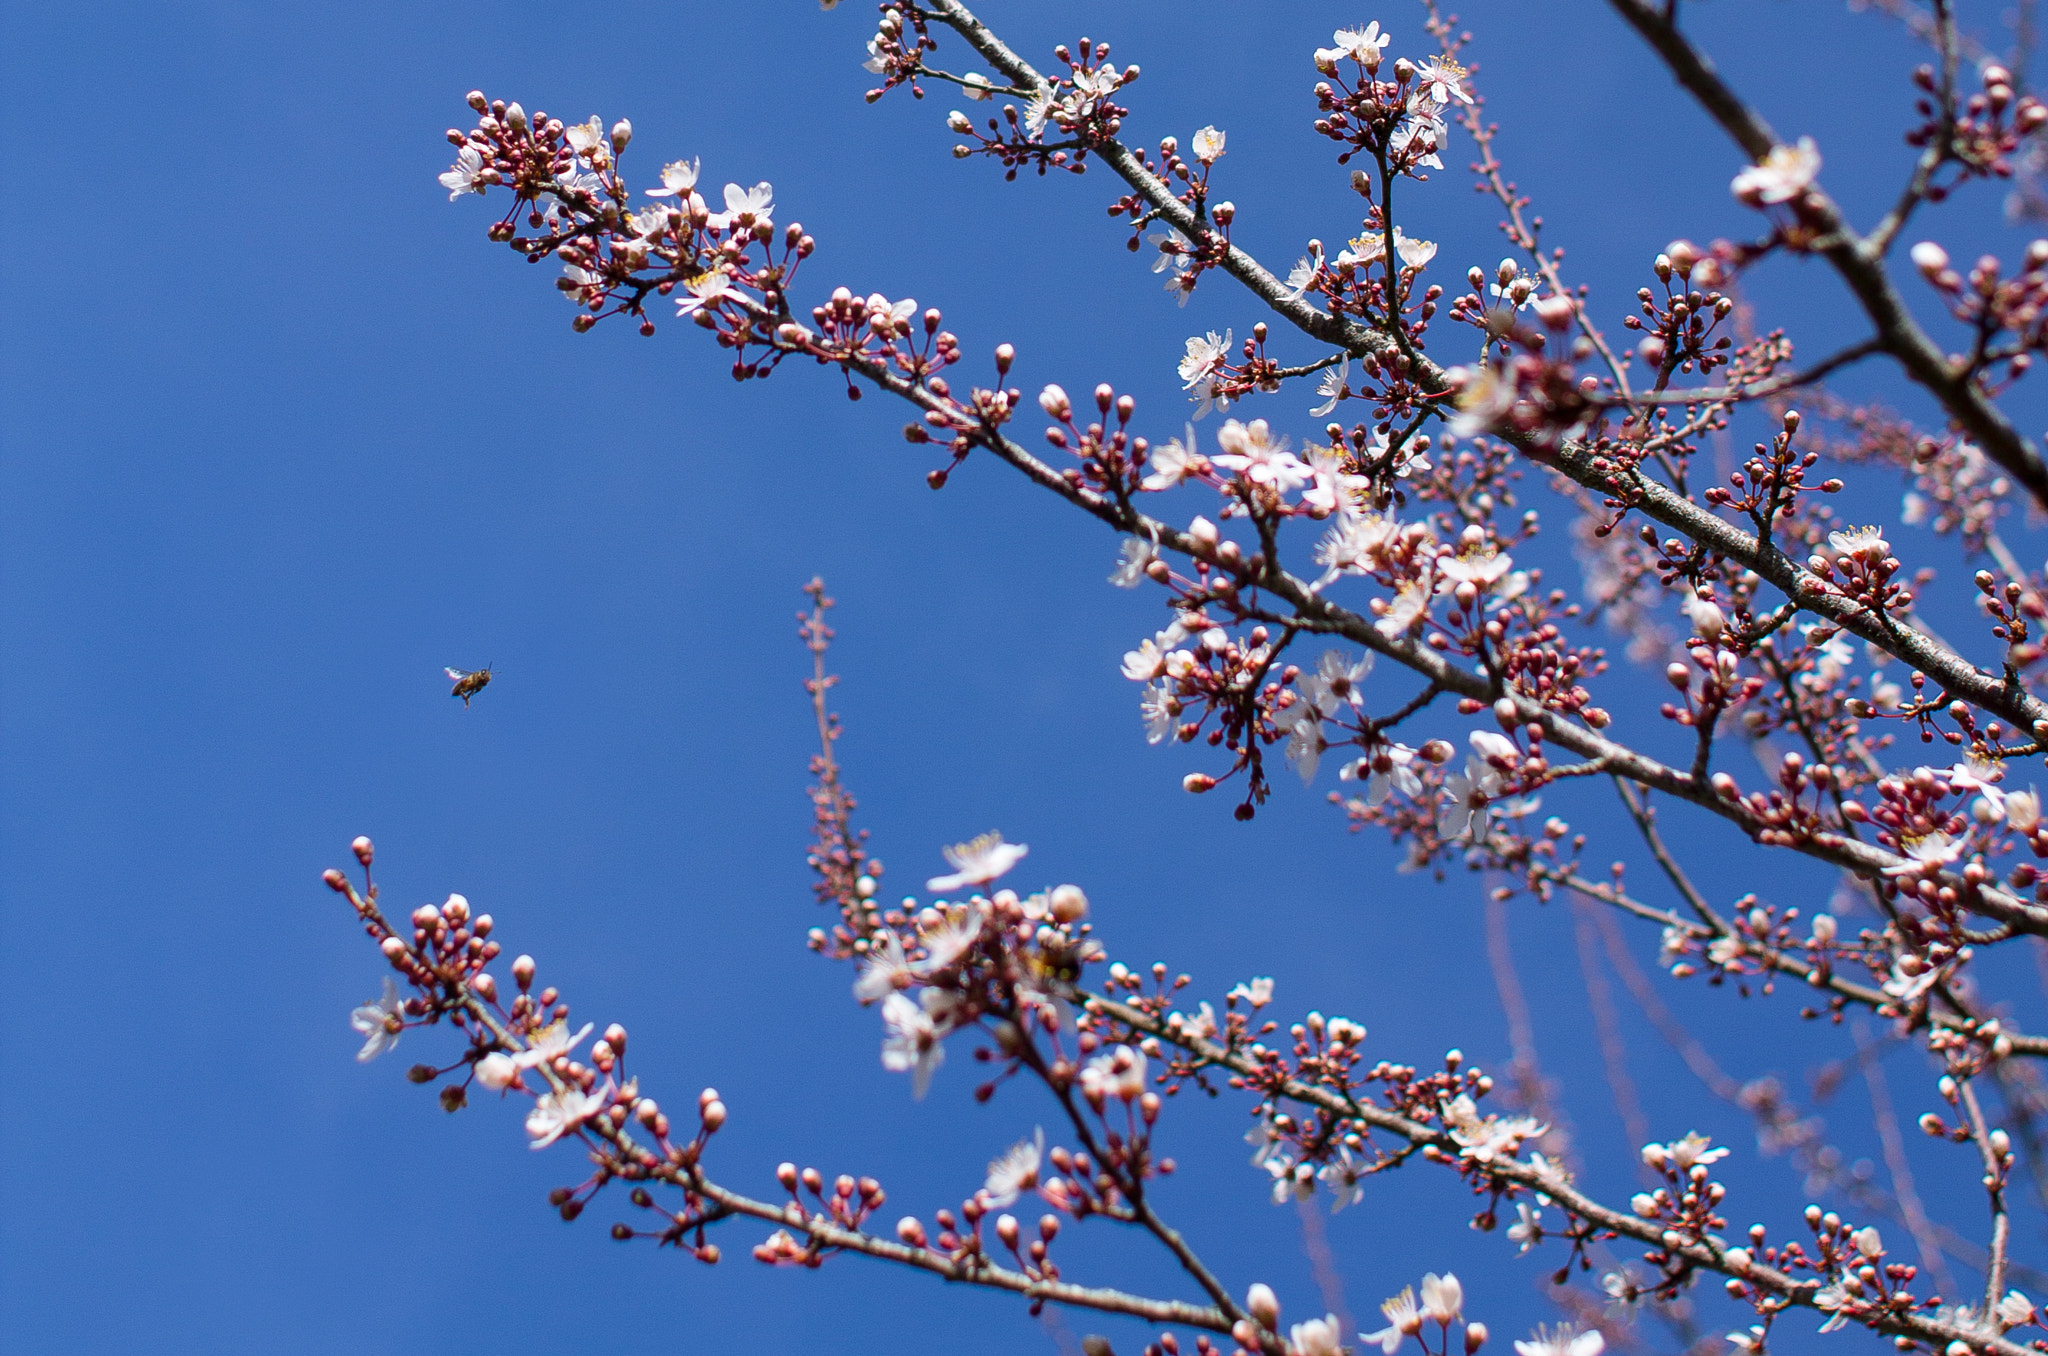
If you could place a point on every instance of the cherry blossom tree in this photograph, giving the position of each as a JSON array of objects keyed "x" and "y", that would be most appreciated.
[{"x": 1807, "y": 699}]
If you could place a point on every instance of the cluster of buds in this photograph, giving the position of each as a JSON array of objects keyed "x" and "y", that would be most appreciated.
[
  {"x": 2008, "y": 316},
  {"x": 1680, "y": 328},
  {"x": 1980, "y": 136}
]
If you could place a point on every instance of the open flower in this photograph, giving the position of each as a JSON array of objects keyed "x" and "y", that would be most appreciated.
[
  {"x": 1682, "y": 1154},
  {"x": 1332, "y": 387},
  {"x": 1316, "y": 1337},
  {"x": 560, "y": 1111},
  {"x": 977, "y": 861},
  {"x": 1783, "y": 174},
  {"x": 746, "y": 206},
  {"x": 1252, "y": 451},
  {"x": 1365, "y": 46},
  {"x": 1404, "y": 1319},
  {"x": 1866, "y": 544},
  {"x": 550, "y": 1043},
  {"x": 1174, "y": 461},
  {"x": 1016, "y": 1171},
  {"x": 1304, "y": 271},
  {"x": 950, "y": 939},
  {"x": 707, "y": 289},
  {"x": 885, "y": 971},
  {"x": 678, "y": 178},
  {"x": 910, "y": 1040},
  {"x": 1207, "y": 145},
  {"x": 1442, "y": 80},
  {"x": 380, "y": 1021},
  {"x": 467, "y": 175},
  {"x": 1563, "y": 1340}
]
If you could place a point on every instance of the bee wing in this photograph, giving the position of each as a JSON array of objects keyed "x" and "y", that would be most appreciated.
[{"x": 457, "y": 674}]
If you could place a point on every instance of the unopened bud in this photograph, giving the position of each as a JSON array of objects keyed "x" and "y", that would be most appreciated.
[
  {"x": 1475, "y": 1337},
  {"x": 522, "y": 973},
  {"x": 1263, "y": 1305},
  {"x": 1929, "y": 258},
  {"x": 363, "y": 849},
  {"x": 1197, "y": 782}
]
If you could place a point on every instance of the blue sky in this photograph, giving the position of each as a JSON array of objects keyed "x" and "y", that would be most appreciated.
[{"x": 284, "y": 435}]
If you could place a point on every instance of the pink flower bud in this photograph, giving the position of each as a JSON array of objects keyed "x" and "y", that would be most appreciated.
[
  {"x": 911, "y": 1230},
  {"x": 713, "y": 1116},
  {"x": 392, "y": 948},
  {"x": 496, "y": 1071},
  {"x": 1053, "y": 400},
  {"x": 1197, "y": 782},
  {"x": 522, "y": 973},
  {"x": 456, "y": 909},
  {"x": 335, "y": 880},
  {"x": 484, "y": 987},
  {"x": 1263, "y": 1305},
  {"x": 707, "y": 1097},
  {"x": 363, "y": 849}
]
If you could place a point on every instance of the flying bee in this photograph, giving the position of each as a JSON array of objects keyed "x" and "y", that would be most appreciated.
[{"x": 468, "y": 684}]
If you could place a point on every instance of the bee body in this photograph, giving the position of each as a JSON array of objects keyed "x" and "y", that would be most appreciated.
[{"x": 469, "y": 682}]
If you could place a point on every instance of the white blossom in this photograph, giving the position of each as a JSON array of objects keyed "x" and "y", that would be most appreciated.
[
  {"x": 1783, "y": 174},
  {"x": 885, "y": 971},
  {"x": 678, "y": 178},
  {"x": 1363, "y": 45},
  {"x": 1207, "y": 145},
  {"x": 559, "y": 1111},
  {"x": 1257, "y": 992},
  {"x": 977, "y": 861},
  {"x": 379, "y": 1020},
  {"x": 1016, "y": 1171},
  {"x": 911, "y": 1041},
  {"x": 1563, "y": 1340},
  {"x": 1132, "y": 558},
  {"x": 1173, "y": 461},
  {"x": 467, "y": 175},
  {"x": 1161, "y": 712},
  {"x": 1333, "y": 387},
  {"x": 1404, "y": 1319},
  {"x": 550, "y": 1043},
  {"x": 746, "y": 206},
  {"x": 1304, "y": 272}
]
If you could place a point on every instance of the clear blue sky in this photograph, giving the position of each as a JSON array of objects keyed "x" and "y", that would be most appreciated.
[{"x": 283, "y": 436}]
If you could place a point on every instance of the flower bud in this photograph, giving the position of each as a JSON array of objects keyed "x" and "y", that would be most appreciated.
[
  {"x": 335, "y": 880},
  {"x": 1053, "y": 400},
  {"x": 1475, "y": 1336},
  {"x": 496, "y": 1071},
  {"x": 1197, "y": 782},
  {"x": 911, "y": 1230},
  {"x": 1263, "y": 1305},
  {"x": 1929, "y": 258},
  {"x": 363, "y": 849},
  {"x": 1068, "y": 904},
  {"x": 622, "y": 132},
  {"x": 713, "y": 1115},
  {"x": 484, "y": 987},
  {"x": 515, "y": 117}
]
